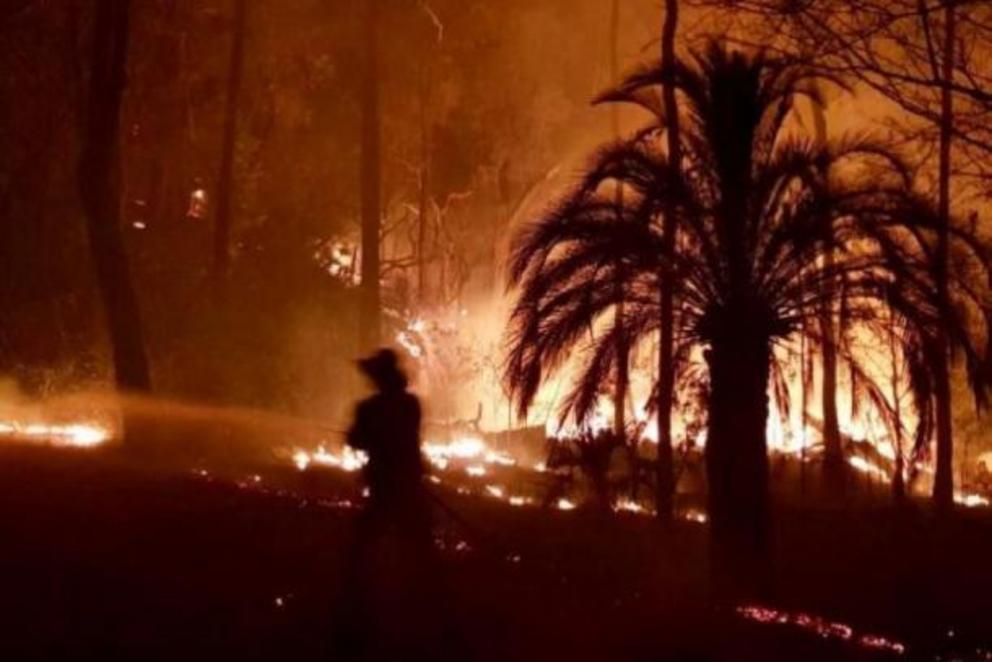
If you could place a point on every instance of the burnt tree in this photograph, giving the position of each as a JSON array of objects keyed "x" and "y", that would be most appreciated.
[
  {"x": 98, "y": 180},
  {"x": 371, "y": 178},
  {"x": 943, "y": 481},
  {"x": 225, "y": 183}
]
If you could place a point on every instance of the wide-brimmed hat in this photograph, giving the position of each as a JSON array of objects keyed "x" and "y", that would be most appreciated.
[{"x": 383, "y": 367}]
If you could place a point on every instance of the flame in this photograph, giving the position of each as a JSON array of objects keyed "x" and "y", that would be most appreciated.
[
  {"x": 969, "y": 500},
  {"x": 629, "y": 506},
  {"x": 469, "y": 451},
  {"x": 467, "y": 448},
  {"x": 866, "y": 467},
  {"x": 408, "y": 340},
  {"x": 476, "y": 459},
  {"x": 339, "y": 260},
  {"x": 348, "y": 459},
  {"x": 601, "y": 420},
  {"x": 439, "y": 337},
  {"x": 72, "y": 435},
  {"x": 693, "y": 515}
]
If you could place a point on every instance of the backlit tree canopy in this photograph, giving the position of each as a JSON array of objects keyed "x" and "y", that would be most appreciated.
[{"x": 758, "y": 207}]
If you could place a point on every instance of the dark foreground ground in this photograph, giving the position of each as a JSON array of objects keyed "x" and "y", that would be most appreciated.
[{"x": 100, "y": 560}]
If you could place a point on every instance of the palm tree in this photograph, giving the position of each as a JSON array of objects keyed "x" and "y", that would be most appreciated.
[{"x": 758, "y": 206}]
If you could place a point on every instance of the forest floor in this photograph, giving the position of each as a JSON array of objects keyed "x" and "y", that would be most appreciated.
[{"x": 103, "y": 558}]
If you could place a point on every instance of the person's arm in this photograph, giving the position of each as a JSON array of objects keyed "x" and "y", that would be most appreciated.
[{"x": 415, "y": 416}]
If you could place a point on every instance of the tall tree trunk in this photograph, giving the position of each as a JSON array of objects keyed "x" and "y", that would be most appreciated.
[
  {"x": 666, "y": 354},
  {"x": 943, "y": 485},
  {"x": 424, "y": 202},
  {"x": 898, "y": 472},
  {"x": 834, "y": 468},
  {"x": 98, "y": 179},
  {"x": 225, "y": 183},
  {"x": 371, "y": 183},
  {"x": 804, "y": 417},
  {"x": 737, "y": 462},
  {"x": 622, "y": 349}
]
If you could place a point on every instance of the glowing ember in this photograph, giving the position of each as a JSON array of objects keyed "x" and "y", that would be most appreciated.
[
  {"x": 197, "y": 204},
  {"x": 820, "y": 626},
  {"x": 496, "y": 491},
  {"x": 697, "y": 516},
  {"x": 628, "y": 506}
]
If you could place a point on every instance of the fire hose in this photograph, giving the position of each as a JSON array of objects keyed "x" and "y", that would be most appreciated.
[{"x": 486, "y": 538}]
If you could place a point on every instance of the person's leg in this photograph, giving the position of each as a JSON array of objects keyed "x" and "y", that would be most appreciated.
[
  {"x": 355, "y": 614},
  {"x": 430, "y": 585}
]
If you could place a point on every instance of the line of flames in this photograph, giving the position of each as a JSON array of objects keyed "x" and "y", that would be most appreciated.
[
  {"x": 819, "y": 626},
  {"x": 476, "y": 459},
  {"x": 71, "y": 435},
  {"x": 473, "y": 456},
  {"x": 470, "y": 454}
]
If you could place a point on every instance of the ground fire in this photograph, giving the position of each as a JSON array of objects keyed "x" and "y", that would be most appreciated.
[{"x": 496, "y": 329}]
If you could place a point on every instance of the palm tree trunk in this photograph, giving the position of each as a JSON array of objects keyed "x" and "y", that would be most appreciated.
[
  {"x": 804, "y": 417},
  {"x": 943, "y": 485},
  {"x": 99, "y": 193},
  {"x": 737, "y": 463},
  {"x": 622, "y": 349},
  {"x": 371, "y": 176},
  {"x": 834, "y": 469},
  {"x": 898, "y": 472},
  {"x": 666, "y": 353},
  {"x": 622, "y": 377},
  {"x": 225, "y": 183}
]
